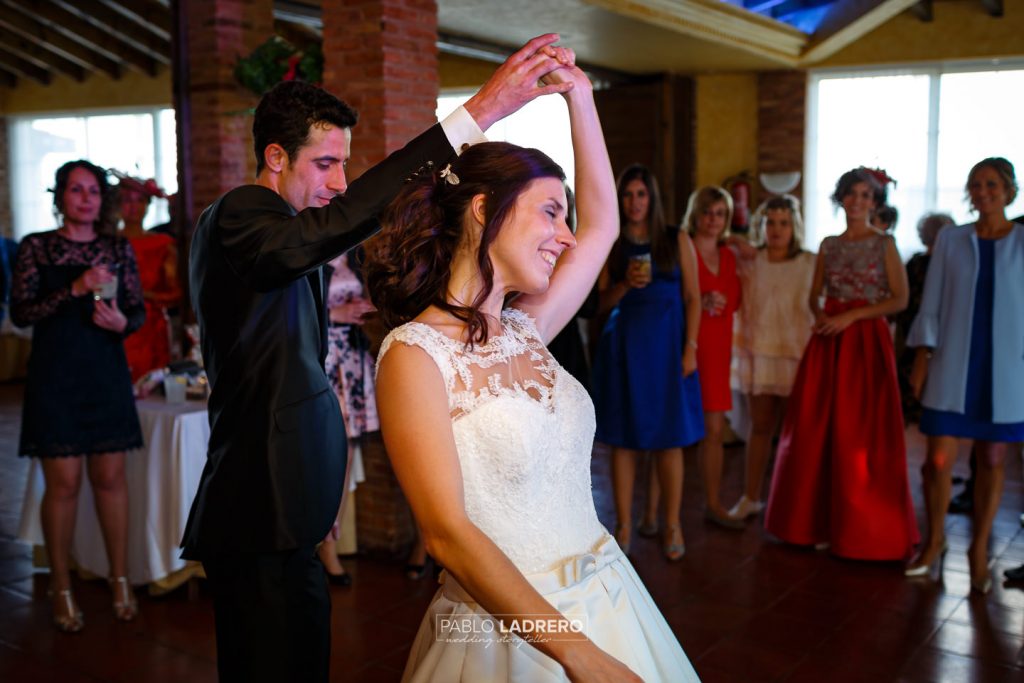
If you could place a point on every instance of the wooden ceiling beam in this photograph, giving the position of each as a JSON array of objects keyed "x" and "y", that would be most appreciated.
[
  {"x": 23, "y": 67},
  {"x": 41, "y": 57},
  {"x": 120, "y": 27},
  {"x": 58, "y": 43},
  {"x": 299, "y": 35},
  {"x": 153, "y": 15},
  {"x": 72, "y": 26}
]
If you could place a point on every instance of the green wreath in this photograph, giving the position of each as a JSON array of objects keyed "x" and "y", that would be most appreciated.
[{"x": 278, "y": 60}]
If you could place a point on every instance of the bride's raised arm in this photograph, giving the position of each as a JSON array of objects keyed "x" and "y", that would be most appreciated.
[{"x": 597, "y": 215}]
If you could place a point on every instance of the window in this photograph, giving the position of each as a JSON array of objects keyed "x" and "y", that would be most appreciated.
[
  {"x": 542, "y": 124},
  {"x": 926, "y": 127},
  {"x": 140, "y": 143}
]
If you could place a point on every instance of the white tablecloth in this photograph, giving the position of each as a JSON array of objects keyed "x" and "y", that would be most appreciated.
[{"x": 162, "y": 481}]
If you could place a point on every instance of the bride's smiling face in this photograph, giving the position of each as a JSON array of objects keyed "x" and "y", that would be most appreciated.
[{"x": 535, "y": 235}]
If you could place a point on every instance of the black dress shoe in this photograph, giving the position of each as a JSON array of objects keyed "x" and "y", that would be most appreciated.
[
  {"x": 344, "y": 579},
  {"x": 962, "y": 503},
  {"x": 1015, "y": 574}
]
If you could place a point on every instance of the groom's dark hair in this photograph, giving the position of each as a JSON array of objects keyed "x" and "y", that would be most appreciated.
[{"x": 288, "y": 111}]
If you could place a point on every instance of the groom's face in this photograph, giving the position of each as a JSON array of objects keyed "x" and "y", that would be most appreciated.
[{"x": 317, "y": 172}]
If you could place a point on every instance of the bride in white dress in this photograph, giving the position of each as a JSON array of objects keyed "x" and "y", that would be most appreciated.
[{"x": 489, "y": 437}]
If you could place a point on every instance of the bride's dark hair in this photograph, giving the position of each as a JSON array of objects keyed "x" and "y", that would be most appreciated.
[{"x": 408, "y": 264}]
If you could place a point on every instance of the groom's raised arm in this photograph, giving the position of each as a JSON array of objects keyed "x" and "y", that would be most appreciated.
[{"x": 268, "y": 249}]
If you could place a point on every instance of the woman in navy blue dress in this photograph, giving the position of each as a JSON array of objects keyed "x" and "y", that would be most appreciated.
[
  {"x": 969, "y": 371},
  {"x": 645, "y": 387}
]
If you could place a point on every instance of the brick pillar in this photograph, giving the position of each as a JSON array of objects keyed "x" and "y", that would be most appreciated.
[
  {"x": 219, "y": 133},
  {"x": 380, "y": 56},
  {"x": 6, "y": 216},
  {"x": 781, "y": 114}
]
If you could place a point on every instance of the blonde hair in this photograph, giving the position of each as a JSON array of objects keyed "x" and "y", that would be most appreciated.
[
  {"x": 785, "y": 202},
  {"x": 703, "y": 199}
]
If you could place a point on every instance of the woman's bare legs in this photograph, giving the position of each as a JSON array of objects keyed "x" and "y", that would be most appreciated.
[
  {"x": 764, "y": 416},
  {"x": 937, "y": 479},
  {"x": 110, "y": 492},
  {"x": 711, "y": 454},
  {"x": 623, "y": 477},
  {"x": 63, "y": 477},
  {"x": 416, "y": 563},
  {"x": 649, "y": 524},
  {"x": 670, "y": 474},
  {"x": 988, "y": 489}
]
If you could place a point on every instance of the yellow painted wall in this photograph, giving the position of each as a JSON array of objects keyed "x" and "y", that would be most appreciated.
[
  {"x": 96, "y": 91},
  {"x": 726, "y": 130},
  {"x": 961, "y": 29},
  {"x": 463, "y": 73}
]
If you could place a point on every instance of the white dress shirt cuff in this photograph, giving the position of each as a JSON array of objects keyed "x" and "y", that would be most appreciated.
[{"x": 462, "y": 130}]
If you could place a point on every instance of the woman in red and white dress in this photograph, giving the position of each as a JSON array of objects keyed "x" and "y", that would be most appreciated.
[{"x": 841, "y": 471}]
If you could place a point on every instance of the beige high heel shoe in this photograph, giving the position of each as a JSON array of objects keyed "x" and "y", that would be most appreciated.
[
  {"x": 126, "y": 607},
  {"x": 72, "y": 621}
]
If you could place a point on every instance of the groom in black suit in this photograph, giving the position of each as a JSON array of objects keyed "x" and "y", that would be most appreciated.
[{"x": 272, "y": 483}]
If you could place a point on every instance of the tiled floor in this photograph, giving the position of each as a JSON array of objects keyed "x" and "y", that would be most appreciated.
[{"x": 745, "y": 608}]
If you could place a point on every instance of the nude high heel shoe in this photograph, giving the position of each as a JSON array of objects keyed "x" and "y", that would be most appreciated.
[{"x": 918, "y": 568}]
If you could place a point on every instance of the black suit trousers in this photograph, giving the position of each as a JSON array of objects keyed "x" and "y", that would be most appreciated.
[{"x": 273, "y": 616}]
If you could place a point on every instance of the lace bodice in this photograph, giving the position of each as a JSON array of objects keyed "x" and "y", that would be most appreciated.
[
  {"x": 524, "y": 429},
  {"x": 856, "y": 270}
]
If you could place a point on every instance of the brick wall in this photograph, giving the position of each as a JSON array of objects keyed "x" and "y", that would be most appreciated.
[
  {"x": 380, "y": 56},
  {"x": 781, "y": 120},
  {"x": 220, "y": 130}
]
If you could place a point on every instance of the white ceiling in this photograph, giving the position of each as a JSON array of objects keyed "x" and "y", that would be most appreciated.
[{"x": 599, "y": 36}]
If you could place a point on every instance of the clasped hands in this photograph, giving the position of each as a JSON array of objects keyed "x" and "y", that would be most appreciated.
[
  {"x": 834, "y": 324},
  {"x": 534, "y": 70}
]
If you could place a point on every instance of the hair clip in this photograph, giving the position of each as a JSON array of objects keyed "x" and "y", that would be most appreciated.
[
  {"x": 449, "y": 176},
  {"x": 881, "y": 176}
]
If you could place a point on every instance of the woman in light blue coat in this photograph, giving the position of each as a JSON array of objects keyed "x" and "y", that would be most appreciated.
[{"x": 969, "y": 368}]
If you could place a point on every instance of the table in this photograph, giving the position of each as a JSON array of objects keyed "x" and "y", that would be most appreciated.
[{"x": 163, "y": 477}]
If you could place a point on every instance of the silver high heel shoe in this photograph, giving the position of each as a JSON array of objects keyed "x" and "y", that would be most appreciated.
[
  {"x": 71, "y": 622},
  {"x": 126, "y": 607}
]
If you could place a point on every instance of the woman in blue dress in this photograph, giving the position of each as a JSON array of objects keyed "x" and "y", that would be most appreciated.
[
  {"x": 969, "y": 371},
  {"x": 645, "y": 386}
]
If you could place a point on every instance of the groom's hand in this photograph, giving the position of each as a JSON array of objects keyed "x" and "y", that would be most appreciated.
[{"x": 516, "y": 82}]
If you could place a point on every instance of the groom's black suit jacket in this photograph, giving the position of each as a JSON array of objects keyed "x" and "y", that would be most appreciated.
[{"x": 277, "y": 453}]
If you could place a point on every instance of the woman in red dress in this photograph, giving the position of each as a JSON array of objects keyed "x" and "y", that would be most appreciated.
[
  {"x": 708, "y": 215},
  {"x": 841, "y": 469},
  {"x": 157, "y": 256}
]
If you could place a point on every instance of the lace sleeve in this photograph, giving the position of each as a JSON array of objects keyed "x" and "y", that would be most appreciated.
[
  {"x": 522, "y": 322},
  {"x": 130, "y": 293},
  {"x": 27, "y": 307},
  {"x": 416, "y": 334}
]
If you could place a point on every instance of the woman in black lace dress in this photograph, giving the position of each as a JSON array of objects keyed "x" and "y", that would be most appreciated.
[{"x": 79, "y": 287}]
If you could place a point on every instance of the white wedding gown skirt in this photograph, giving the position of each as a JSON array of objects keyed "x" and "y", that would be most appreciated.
[{"x": 459, "y": 641}]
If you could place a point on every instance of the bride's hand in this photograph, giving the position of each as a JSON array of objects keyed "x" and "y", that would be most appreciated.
[
  {"x": 599, "y": 667},
  {"x": 568, "y": 73}
]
